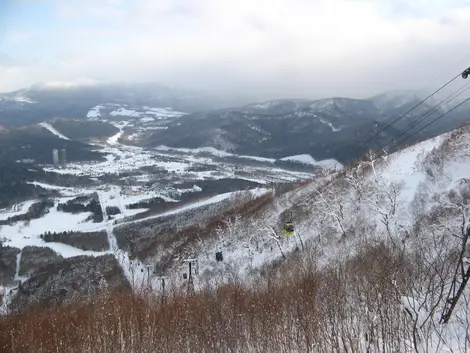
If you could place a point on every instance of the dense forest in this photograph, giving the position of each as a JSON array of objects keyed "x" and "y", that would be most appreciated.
[
  {"x": 79, "y": 204},
  {"x": 88, "y": 241},
  {"x": 84, "y": 129},
  {"x": 112, "y": 210},
  {"x": 154, "y": 202}
]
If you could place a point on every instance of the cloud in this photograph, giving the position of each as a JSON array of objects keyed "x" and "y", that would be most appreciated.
[{"x": 261, "y": 49}]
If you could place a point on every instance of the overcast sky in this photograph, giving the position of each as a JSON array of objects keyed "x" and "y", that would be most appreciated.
[{"x": 260, "y": 48}]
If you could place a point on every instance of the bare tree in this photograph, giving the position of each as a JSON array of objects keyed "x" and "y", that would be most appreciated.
[{"x": 331, "y": 204}]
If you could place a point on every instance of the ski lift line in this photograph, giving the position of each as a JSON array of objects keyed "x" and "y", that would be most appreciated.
[
  {"x": 288, "y": 226},
  {"x": 331, "y": 168},
  {"x": 401, "y": 141},
  {"x": 430, "y": 112},
  {"x": 410, "y": 110},
  {"x": 431, "y": 122}
]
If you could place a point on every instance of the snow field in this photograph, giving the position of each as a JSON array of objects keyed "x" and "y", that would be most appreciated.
[
  {"x": 126, "y": 111},
  {"x": 308, "y": 159}
]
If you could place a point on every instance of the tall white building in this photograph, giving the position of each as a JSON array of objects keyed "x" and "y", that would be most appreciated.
[
  {"x": 63, "y": 159},
  {"x": 55, "y": 157}
]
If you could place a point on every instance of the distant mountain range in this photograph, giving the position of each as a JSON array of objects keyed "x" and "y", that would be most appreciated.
[
  {"x": 324, "y": 128},
  {"x": 46, "y": 101}
]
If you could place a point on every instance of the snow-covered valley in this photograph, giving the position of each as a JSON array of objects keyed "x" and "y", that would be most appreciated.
[
  {"x": 159, "y": 207},
  {"x": 143, "y": 185}
]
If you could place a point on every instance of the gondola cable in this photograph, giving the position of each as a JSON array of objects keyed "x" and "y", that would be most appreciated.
[
  {"x": 410, "y": 110},
  {"x": 462, "y": 74},
  {"x": 431, "y": 122},
  {"x": 288, "y": 228},
  {"x": 429, "y": 113}
]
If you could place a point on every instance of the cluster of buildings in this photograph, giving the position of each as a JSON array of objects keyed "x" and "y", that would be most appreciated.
[{"x": 59, "y": 157}]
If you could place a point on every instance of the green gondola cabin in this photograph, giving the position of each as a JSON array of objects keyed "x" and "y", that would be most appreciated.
[{"x": 288, "y": 228}]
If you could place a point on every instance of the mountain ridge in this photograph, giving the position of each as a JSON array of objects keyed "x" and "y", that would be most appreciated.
[
  {"x": 328, "y": 128},
  {"x": 325, "y": 128}
]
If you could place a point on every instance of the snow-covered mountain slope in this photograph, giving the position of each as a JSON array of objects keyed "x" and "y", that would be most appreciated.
[
  {"x": 415, "y": 202},
  {"x": 388, "y": 193}
]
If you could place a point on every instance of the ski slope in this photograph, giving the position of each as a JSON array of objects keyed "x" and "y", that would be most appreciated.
[{"x": 53, "y": 130}]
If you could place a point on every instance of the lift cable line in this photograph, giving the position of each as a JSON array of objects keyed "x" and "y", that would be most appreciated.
[
  {"x": 410, "y": 110},
  {"x": 431, "y": 122},
  {"x": 462, "y": 74},
  {"x": 430, "y": 112}
]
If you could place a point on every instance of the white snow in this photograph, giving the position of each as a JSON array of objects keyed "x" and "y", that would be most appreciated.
[
  {"x": 15, "y": 210},
  {"x": 53, "y": 130},
  {"x": 124, "y": 112},
  {"x": 20, "y": 234},
  {"x": 163, "y": 113},
  {"x": 18, "y": 99},
  {"x": 403, "y": 167},
  {"x": 303, "y": 158},
  {"x": 94, "y": 112},
  {"x": 146, "y": 113},
  {"x": 330, "y": 125},
  {"x": 308, "y": 159},
  {"x": 213, "y": 151},
  {"x": 265, "y": 105}
]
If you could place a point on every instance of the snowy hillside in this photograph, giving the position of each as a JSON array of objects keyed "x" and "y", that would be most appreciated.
[
  {"x": 415, "y": 201},
  {"x": 374, "y": 254},
  {"x": 389, "y": 195}
]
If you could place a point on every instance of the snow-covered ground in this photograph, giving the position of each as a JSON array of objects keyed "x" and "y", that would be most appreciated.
[
  {"x": 15, "y": 210},
  {"x": 119, "y": 158},
  {"x": 179, "y": 162},
  {"x": 124, "y": 110},
  {"x": 308, "y": 159},
  {"x": 213, "y": 151},
  {"x": 379, "y": 199},
  {"x": 23, "y": 234}
]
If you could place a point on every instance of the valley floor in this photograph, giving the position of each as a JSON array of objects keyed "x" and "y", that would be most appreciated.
[{"x": 131, "y": 176}]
